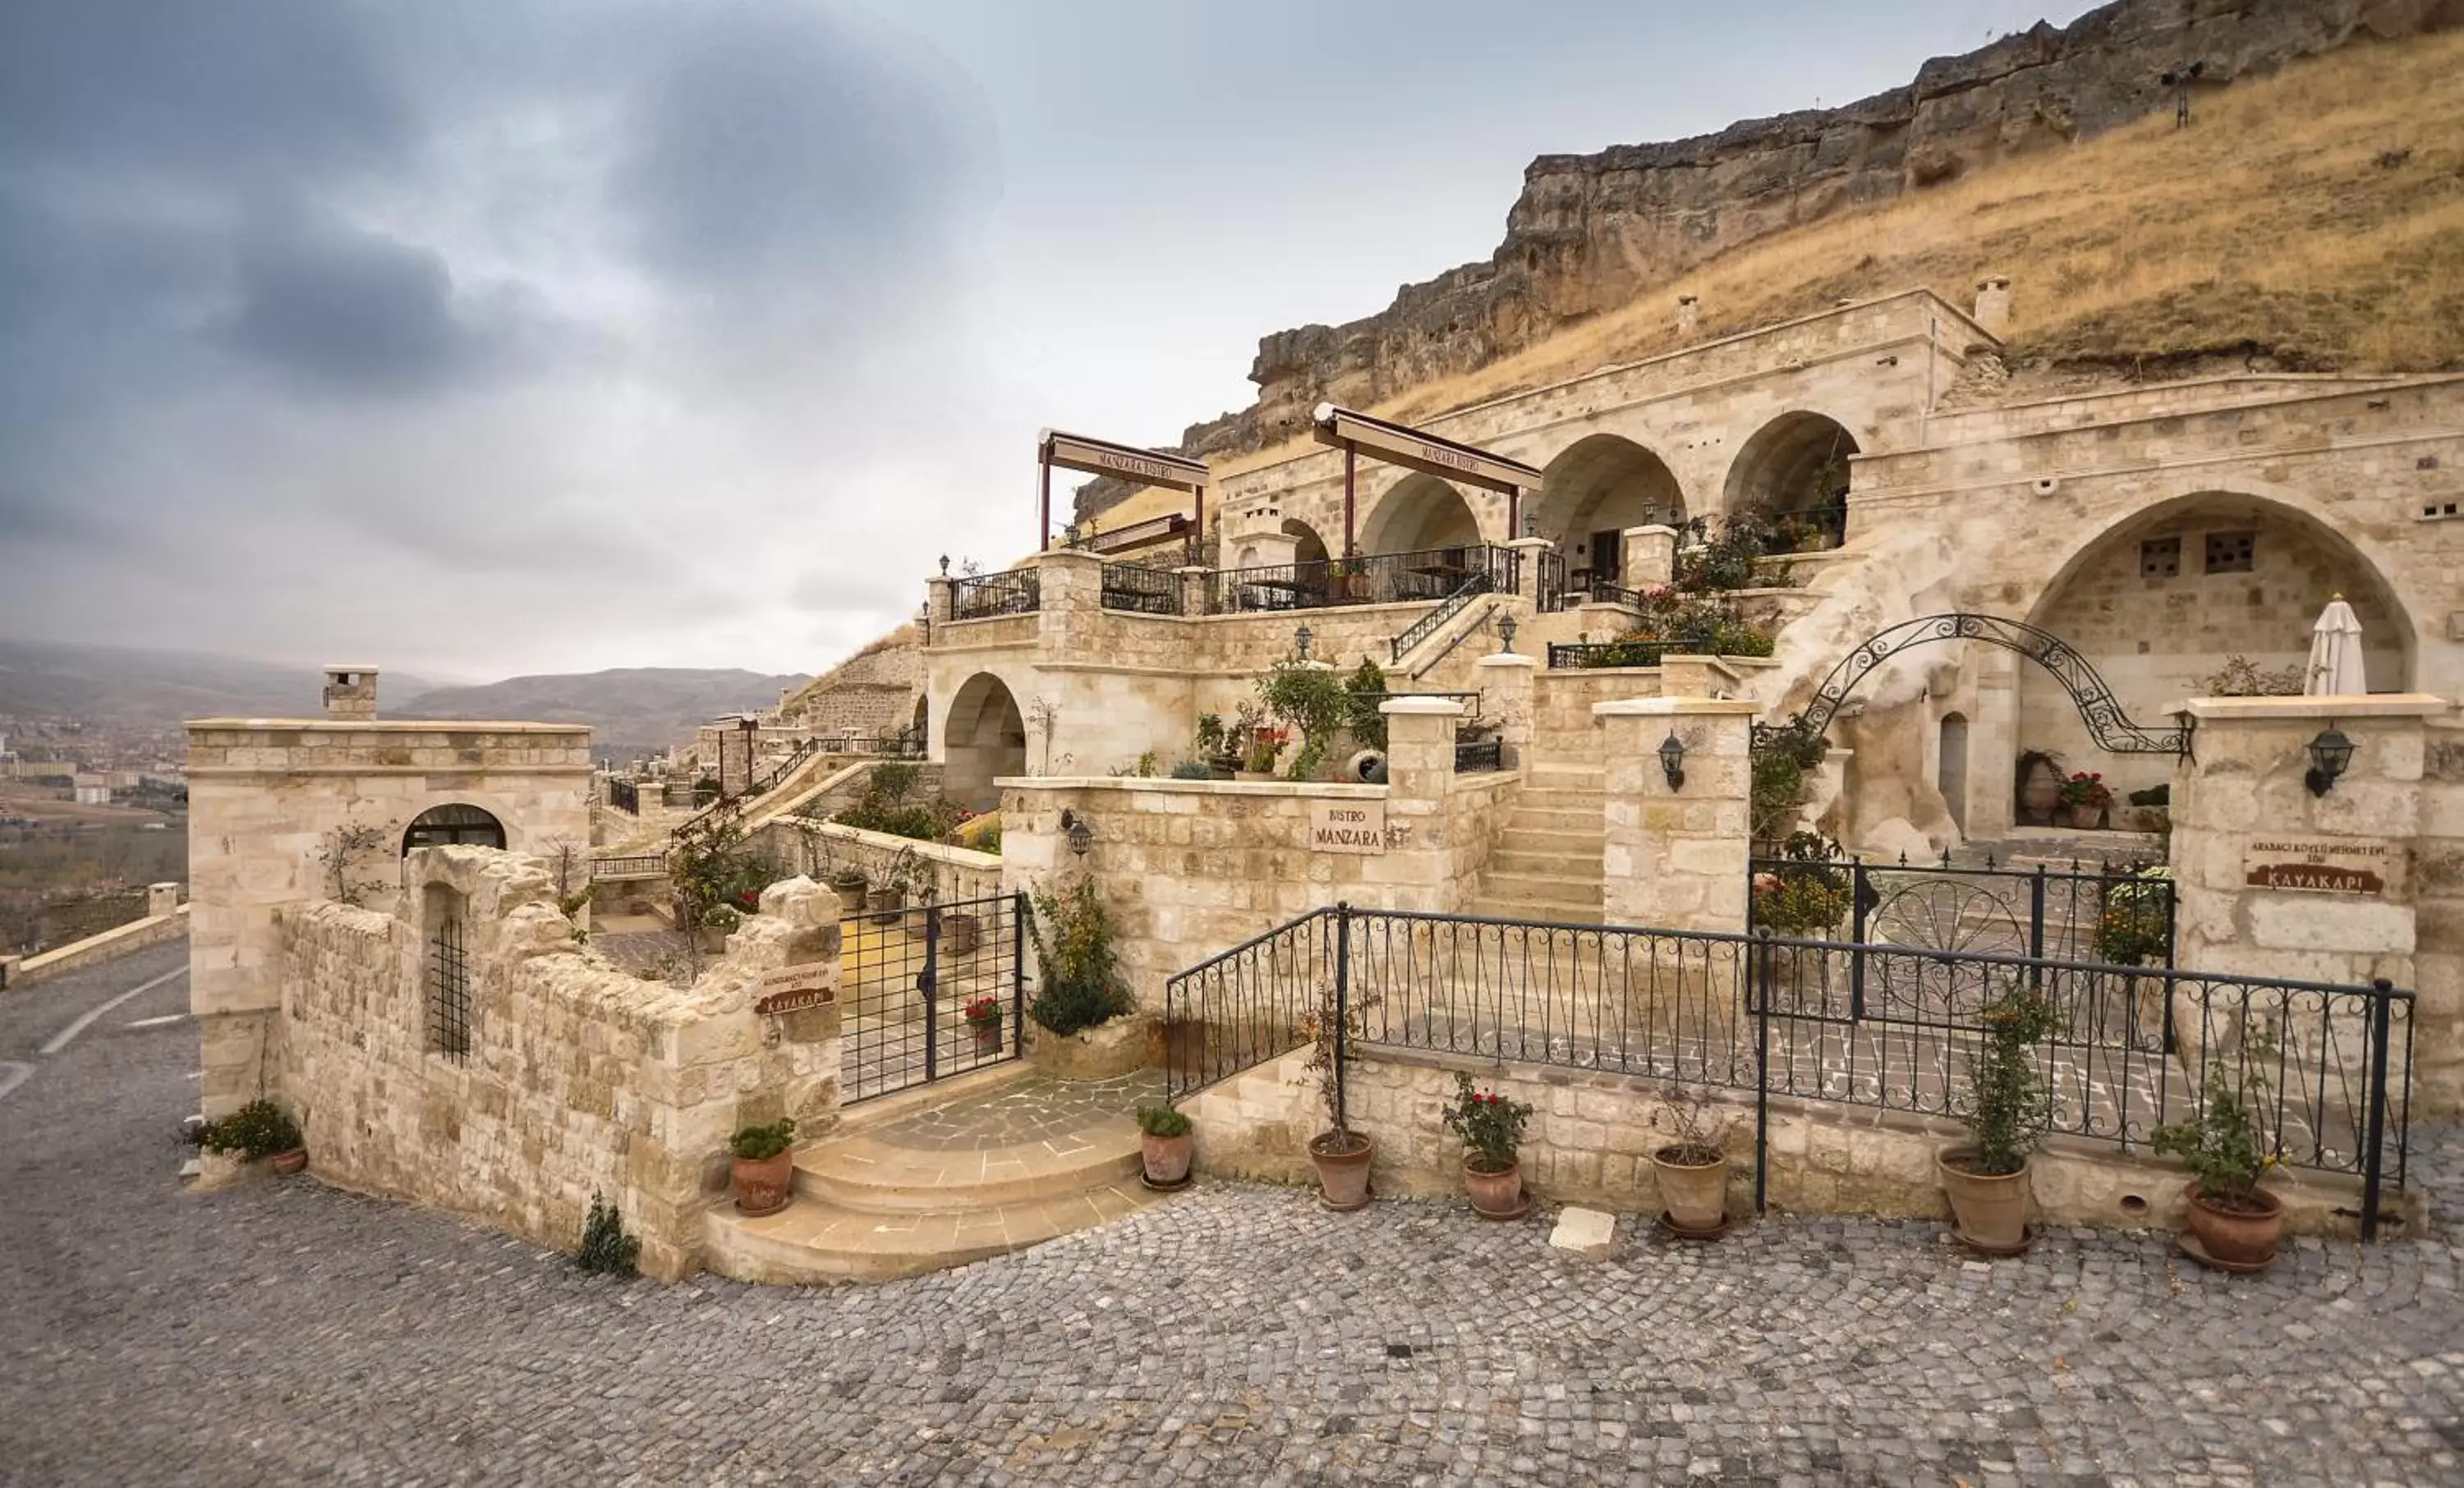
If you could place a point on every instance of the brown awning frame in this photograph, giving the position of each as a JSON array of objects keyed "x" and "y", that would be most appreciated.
[
  {"x": 1127, "y": 462},
  {"x": 1417, "y": 449}
]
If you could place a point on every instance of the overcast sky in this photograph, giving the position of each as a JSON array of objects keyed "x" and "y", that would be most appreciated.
[{"x": 481, "y": 336}]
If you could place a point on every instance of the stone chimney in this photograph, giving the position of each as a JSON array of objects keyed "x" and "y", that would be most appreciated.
[
  {"x": 1993, "y": 304},
  {"x": 1689, "y": 313},
  {"x": 350, "y": 691}
]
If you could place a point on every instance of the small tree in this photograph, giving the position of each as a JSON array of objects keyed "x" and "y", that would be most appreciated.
[
  {"x": 606, "y": 1247},
  {"x": 1309, "y": 698},
  {"x": 340, "y": 852},
  {"x": 2008, "y": 1105},
  {"x": 1363, "y": 690},
  {"x": 1078, "y": 966}
]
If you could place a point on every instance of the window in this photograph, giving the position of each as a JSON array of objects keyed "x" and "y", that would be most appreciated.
[
  {"x": 446, "y": 826},
  {"x": 449, "y": 976},
  {"x": 2160, "y": 557},
  {"x": 2231, "y": 552}
]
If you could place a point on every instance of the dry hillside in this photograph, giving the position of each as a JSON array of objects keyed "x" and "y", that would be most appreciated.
[{"x": 2310, "y": 220}]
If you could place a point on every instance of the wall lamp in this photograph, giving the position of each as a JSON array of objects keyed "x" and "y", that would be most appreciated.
[
  {"x": 1672, "y": 760},
  {"x": 2330, "y": 752},
  {"x": 1301, "y": 641},
  {"x": 1074, "y": 827},
  {"x": 1506, "y": 634}
]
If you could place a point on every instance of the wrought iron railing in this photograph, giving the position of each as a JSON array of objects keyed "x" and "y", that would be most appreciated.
[
  {"x": 1633, "y": 651},
  {"x": 1473, "y": 586},
  {"x": 2322, "y": 1069},
  {"x": 1016, "y": 592},
  {"x": 640, "y": 864},
  {"x": 906, "y": 988},
  {"x": 1604, "y": 592},
  {"x": 1551, "y": 589},
  {"x": 728, "y": 807},
  {"x": 903, "y": 744},
  {"x": 1379, "y": 579},
  {"x": 2114, "y": 914},
  {"x": 1474, "y": 756},
  {"x": 624, "y": 796},
  {"x": 1149, "y": 591}
]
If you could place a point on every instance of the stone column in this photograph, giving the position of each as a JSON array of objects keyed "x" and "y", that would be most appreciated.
[
  {"x": 1193, "y": 587},
  {"x": 1676, "y": 853},
  {"x": 1650, "y": 555},
  {"x": 1506, "y": 682},
  {"x": 1419, "y": 773},
  {"x": 937, "y": 596},
  {"x": 161, "y": 899},
  {"x": 1071, "y": 600},
  {"x": 350, "y": 691},
  {"x": 1528, "y": 551}
]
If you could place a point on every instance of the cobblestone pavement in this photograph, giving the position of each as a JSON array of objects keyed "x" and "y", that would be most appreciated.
[
  {"x": 291, "y": 1333},
  {"x": 1030, "y": 1109}
]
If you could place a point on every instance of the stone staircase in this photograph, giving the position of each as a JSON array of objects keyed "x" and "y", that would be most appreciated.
[
  {"x": 1546, "y": 864},
  {"x": 939, "y": 1177}
]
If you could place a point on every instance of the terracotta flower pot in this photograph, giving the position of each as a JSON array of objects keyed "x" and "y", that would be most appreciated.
[
  {"x": 291, "y": 1162},
  {"x": 763, "y": 1185},
  {"x": 2083, "y": 817},
  {"x": 1989, "y": 1211},
  {"x": 1167, "y": 1158},
  {"x": 1695, "y": 1195},
  {"x": 2040, "y": 794},
  {"x": 1498, "y": 1194},
  {"x": 2235, "y": 1232},
  {"x": 959, "y": 934},
  {"x": 713, "y": 940},
  {"x": 988, "y": 1039},
  {"x": 850, "y": 897},
  {"x": 1342, "y": 1172},
  {"x": 884, "y": 902}
]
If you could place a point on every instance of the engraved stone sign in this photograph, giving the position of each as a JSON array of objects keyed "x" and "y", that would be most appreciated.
[
  {"x": 1348, "y": 826},
  {"x": 792, "y": 989},
  {"x": 2327, "y": 865}
]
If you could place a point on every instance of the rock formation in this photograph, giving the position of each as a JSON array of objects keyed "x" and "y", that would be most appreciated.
[{"x": 1590, "y": 231}]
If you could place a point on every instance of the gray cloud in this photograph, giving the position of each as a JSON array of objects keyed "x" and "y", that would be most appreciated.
[{"x": 343, "y": 309}]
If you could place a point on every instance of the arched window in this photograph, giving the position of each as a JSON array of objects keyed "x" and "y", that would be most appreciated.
[{"x": 454, "y": 825}]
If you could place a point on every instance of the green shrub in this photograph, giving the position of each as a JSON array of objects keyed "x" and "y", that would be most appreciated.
[
  {"x": 1363, "y": 690},
  {"x": 767, "y": 1140},
  {"x": 1162, "y": 1120},
  {"x": 2221, "y": 1140},
  {"x": 2131, "y": 932},
  {"x": 1192, "y": 770},
  {"x": 260, "y": 1129},
  {"x": 1078, "y": 966},
  {"x": 2008, "y": 1105},
  {"x": 606, "y": 1248},
  {"x": 1488, "y": 1123},
  {"x": 893, "y": 780}
]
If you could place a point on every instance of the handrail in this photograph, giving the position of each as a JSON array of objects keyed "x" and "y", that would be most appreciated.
[
  {"x": 727, "y": 807},
  {"x": 1018, "y": 591},
  {"x": 1471, "y": 588}
]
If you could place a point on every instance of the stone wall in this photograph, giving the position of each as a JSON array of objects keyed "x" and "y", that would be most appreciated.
[
  {"x": 956, "y": 873},
  {"x": 580, "y": 1078},
  {"x": 264, "y": 798}
]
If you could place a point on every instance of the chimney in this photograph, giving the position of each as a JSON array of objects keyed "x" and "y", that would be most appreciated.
[
  {"x": 1993, "y": 304},
  {"x": 350, "y": 691},
  {"x": 1689, "y": 313}
]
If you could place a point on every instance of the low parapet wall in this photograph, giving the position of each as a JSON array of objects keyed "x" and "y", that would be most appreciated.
[{"x": 118, "y": 941}]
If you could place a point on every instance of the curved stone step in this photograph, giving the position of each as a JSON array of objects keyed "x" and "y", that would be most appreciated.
[
  {"x": 865, "y": 1175},
  {"x": 811, "y": 1241}
]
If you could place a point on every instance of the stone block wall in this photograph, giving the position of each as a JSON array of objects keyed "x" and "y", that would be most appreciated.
[
  {"x": 956, "y": 873},
  {"x": 580, "y": 1078}
]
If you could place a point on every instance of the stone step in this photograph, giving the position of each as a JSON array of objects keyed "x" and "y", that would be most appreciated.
[
  {"x": 811, "y": 1241},
  {"x": 1548, "y": 861},
  {"x": 868, "y": 1176},
  {"x": 1565, "y": 777},
  {"x": 1574, "y": 819},
  {"x": 1574, "y": 885},
  {"x": 1560, "y": 796},
  {"x": 1557, "y": 840}
]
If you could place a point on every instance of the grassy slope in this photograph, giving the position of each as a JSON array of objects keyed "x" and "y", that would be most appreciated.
[{"x": 2269, "y": 225}]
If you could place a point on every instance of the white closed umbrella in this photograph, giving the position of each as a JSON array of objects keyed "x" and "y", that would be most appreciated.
[{"x": 2336, "y": 653}]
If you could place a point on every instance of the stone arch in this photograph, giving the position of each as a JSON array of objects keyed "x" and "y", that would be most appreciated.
[
  {"x": 1418, "y": 513},
  {"x": 1595, "y": 489},
  {"x": 983, "y": 737},
  {"x": 1794, "y": 466},
  {"x": 453, "y": 824},
  {"x": 2156, "y": 612},
  {"x": 1307, "y": 546},
  {"x": 920, "y": 723}
]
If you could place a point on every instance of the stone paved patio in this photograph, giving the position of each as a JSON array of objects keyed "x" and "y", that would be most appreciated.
[
  {"x": 291, "y": 1333},
  {"x": 1032, "y": 1110}
]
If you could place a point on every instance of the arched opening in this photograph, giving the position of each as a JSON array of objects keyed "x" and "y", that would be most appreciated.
[
  {"x": 920, "y": 725},
  {"x": 454, "y": 825},
  {"x": 1951, "y": 768},
  {"x": 1592, "y": 492},
  {"x": 983, "y": 738},
  {"x": 1421, "y": 513},
  {"x": 2162, "y": 601},
  {"x": 1307, "y": 547},
  {"x": 1794, "y": 473}
]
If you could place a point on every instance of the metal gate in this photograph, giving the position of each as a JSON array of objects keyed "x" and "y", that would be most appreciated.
[{"x": 930, "y": 991}]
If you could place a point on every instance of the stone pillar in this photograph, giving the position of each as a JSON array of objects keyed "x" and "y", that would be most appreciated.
[
  {"x": 1676, "y": 854},
  {"x": 1650, "y": 555},
  {"x": 1689, "y": 313},
  {"x": 1071, "y": 600},
  {"x": 1419, "y": 773},
  {"x": 1993, "y": 304},
  {"x": 1526, "y": 568},
  {"x": 1194, "y": 577},
  {"x": 1506, "y": 682},
  {"x": 161, "y": 899},
  {"x": 936, "y": 592},
  {"x": 350, "y": 691}
]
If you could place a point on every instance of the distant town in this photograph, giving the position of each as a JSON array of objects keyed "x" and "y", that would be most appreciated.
[{"x": 91, "y": 813}]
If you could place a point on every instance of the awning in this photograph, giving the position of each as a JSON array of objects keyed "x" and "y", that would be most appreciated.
[
  {"x": 1103, "y": 457},
  {"x": 1416, "y": 449}
]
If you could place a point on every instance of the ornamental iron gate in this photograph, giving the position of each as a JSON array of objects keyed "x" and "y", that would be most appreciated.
[{"x": 930, "y": 991}]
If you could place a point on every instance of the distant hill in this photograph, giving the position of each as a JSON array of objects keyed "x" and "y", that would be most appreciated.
[
  {"x": 631, "y": 710},
  {"x": 147, "y": 689}
]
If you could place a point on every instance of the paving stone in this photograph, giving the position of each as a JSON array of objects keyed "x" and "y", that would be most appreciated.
[{"x": 1587, "y": 1233}]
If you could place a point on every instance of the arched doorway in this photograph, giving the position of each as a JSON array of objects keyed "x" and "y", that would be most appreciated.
[
  {"x": 1794, "y": 472},
  {"x": 2161, "y": 602},
  {"x": 983, "y": 738},
  {"x": 1307, "y": 547},
  {"x": 1951, "y": 768},
  {"x": 1593, "y": 491},
  {"x": 454, "y": 825},
  {"x": 1419, "y": 515},
  {"x": 920, "y": 725}
]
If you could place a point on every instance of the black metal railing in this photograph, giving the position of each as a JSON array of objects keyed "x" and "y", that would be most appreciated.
[
  {"x": 728, "y": 808},
  {"x": 1473, "y": 757},
  {"x": 918, "y": 985},
  {"x": 2323, "y": 1070},
  {"x": 641, "y": 864},
  {"x": 1604, "y": 592},
  {"x": 1149, "y": 591},
  {"x": 1551, "y": 589},
  {"x": 2115, "y": 913},
  {"x": 1473, "y": 586},
  {"x": 626, "y": 797},
  {"x": 1632, "y": 651},
  {"x": 903, "y": 744},
  {"x": 1016, "y": 592},
  {"x": 1378, "y": 578}
]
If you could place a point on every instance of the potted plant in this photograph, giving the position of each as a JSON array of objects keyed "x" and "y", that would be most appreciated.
[
  {"x": 2235, "y": 1225},
  {"x": 1216, "y": 748},
  {"x": 2007, "y": 1108},
  {"x": 1340, "y": 1154},
  {"x": 2039, "y": 788},
  {"x": 2138, "y": 913},
  {"x": 983, "y": 1017},
  {"x": 2084, "y": 797},
  {"x": 719, "y": 922},
  {"x": 1164, "y": 1145},
  {"x": 765, "y": 1167},
  {"x": 913, "y": 878},
  {"x": 960, "y": 933},
  {"x": 1265, "y": 742},
  {"x": 849, "y": 882},
  {"x": 1491, "y": 1127},
  {"x": 256, "y": 1131},
  {"x": 1693, "y": 1170}
]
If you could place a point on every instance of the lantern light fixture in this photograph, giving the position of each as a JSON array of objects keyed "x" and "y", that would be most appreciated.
[
  {"x": 1301, "y": 641},
  {"x": 2331, "y": 752},
  {"x": 1672, "y": 760},
  {"x": 1506, "y": 634}
]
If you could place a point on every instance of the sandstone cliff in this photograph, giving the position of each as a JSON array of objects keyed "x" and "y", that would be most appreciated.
[{"x": 1590, "y": 231}]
